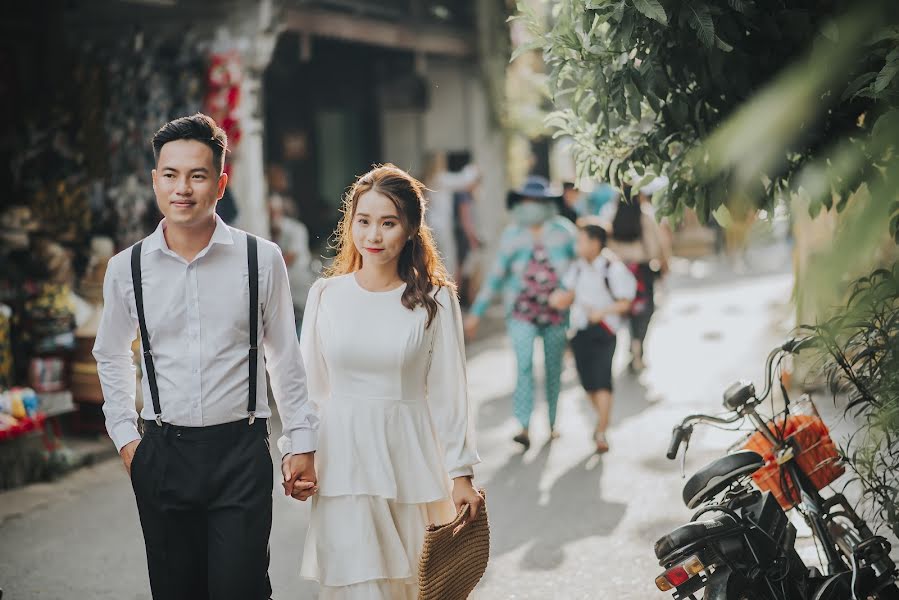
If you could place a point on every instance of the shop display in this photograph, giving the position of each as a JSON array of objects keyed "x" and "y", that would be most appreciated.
[
  {"x": 6, "y": 364},
  {"x": 47, "y": 374},
  {"x": 79, "y": 190}
]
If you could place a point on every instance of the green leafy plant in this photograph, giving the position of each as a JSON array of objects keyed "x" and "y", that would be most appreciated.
[
  {"x": 861, "y": 347},
  {"x": 742, "y": 103},
  {"x": 739, "y": 103}
]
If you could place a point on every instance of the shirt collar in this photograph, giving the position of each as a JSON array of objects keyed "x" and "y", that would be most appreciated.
[
  {"x": 604, "y": 259},
  {"x": 156, "y": 240}
]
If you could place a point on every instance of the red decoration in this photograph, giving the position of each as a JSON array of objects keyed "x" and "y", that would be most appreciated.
[{"x": 223, "y": 81}]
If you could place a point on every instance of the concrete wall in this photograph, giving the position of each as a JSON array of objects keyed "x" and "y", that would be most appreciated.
[{"x": 457, "y": 118}]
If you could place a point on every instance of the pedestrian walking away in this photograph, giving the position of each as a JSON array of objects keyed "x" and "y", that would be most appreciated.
[
  {"x": 571, "y": 200},
  {"x": 535, "y": 250},
  {"x": 385, "y": 360},
  {"x": 637, "y": 239},
  {"x": 208, "y": 300},
  {"x": 292, "y": 237},
  {"x": 599, "y": 288},
  {"x": 441, "y": 185}
]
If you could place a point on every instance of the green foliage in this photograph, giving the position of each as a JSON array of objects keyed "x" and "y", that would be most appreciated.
[
  {"x": 862, "y": 345},
  {"x": 738, "y": 102}
]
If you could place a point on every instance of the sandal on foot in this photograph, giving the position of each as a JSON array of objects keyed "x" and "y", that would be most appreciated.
[
  {"x": 602, "y": 445},
  {"x": 553, "y": 434},
  {"x": 523, "y": 439}
]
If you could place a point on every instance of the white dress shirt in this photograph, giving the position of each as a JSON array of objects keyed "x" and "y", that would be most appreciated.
[
  {"x": 588, "y": 282},
  {"x": 197, "y": 316}
]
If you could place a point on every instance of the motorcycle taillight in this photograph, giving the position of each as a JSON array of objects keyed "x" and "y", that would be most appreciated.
[{"x": 679, "y": 574}]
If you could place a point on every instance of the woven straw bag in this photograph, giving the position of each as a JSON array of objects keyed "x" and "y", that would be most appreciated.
[{"x": 453, "y": 563}]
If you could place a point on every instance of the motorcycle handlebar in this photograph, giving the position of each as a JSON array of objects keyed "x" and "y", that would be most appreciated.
[{"x": 677, "y": 438}]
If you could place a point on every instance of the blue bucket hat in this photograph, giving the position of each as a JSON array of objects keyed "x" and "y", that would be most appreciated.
[{"x": 535, "y": 187}]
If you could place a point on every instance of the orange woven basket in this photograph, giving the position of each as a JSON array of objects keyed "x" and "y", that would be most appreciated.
[{"x": 816, "y": 456}]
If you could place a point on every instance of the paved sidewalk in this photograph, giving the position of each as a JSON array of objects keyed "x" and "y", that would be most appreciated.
[{"x": 566, "y": 524}]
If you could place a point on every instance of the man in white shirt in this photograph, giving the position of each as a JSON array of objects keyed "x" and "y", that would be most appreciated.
[{"x": 202, "y": 474}]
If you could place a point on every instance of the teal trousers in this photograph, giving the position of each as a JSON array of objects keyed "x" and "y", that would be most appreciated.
[{"x": 523, "y": 336}]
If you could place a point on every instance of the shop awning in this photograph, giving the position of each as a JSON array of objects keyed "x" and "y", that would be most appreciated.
[{"x": 364, "y": 30}]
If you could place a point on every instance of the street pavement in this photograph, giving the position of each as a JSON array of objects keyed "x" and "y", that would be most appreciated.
[{"x": 565, "y": 523}]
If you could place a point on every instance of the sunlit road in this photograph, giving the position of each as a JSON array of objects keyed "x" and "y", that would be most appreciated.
[{"x": 566, "y": 524}]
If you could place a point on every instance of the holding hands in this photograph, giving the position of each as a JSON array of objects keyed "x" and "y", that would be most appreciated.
[{"x": 300, "y": 480}]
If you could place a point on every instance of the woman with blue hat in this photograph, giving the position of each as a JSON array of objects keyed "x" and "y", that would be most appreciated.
[{"x": 535, "y": 250}]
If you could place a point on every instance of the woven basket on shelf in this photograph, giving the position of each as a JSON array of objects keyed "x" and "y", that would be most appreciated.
[{"x": 453, "y": 563}]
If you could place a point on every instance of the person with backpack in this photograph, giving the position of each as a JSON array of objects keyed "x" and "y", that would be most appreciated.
[
  {"x": 599, "y": 289},
  {"x": 636, "y": 238}
]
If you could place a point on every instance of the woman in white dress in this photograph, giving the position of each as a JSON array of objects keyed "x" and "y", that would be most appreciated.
[{"x": 385, "y": 362}]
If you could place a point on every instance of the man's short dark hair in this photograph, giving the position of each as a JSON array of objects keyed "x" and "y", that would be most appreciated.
[
  {"x": 456, "y": 161},
  {"x": 596, "y": 232},
  {"x": 199, "y": 127},
  {"x": 568, "y": 185}
]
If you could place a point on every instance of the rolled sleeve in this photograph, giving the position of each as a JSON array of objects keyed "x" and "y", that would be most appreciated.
[
  {"x": 284, "y": 361},
  {"x": 115, "y": 361},
  {"x": 496, "y": 276},
  {"x": 124, "y": 434}
]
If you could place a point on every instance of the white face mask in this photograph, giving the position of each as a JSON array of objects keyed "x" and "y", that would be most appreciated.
[{"x": 531, "y": 213}]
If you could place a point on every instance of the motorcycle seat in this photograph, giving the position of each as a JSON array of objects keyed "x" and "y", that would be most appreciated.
[
  {"x": 716, "y": 476},
  {"x": 691, "y": 532}
]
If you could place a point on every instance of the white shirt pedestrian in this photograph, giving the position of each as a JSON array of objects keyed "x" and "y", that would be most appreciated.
[{"x": 597, "y": 285}]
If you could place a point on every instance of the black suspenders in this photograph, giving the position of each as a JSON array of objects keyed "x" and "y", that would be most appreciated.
[{"x": 253, "y": 265}]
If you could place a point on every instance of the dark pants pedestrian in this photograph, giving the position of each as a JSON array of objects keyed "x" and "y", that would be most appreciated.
[
  {"x": 594, "y": 349},
  {"x": 204, "y": 495},
  {"x": 644, "y": 303}
]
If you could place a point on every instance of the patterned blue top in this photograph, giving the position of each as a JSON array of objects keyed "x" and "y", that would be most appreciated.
[{"x": 516, "y": 247}]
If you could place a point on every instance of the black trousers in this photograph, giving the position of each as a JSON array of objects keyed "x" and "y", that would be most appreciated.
[{"x": 204, "y": 495}]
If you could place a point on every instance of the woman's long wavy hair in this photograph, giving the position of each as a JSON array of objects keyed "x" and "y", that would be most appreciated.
[{"x": 420, "y": 265}]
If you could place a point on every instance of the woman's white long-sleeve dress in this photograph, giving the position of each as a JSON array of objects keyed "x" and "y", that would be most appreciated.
[{"x": 396, "y": 426}]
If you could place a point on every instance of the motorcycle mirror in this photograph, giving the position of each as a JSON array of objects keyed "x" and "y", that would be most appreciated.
[{"x": 738, "y": 394}]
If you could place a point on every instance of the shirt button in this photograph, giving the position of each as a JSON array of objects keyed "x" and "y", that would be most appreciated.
[{"x": 196, "y": 371}]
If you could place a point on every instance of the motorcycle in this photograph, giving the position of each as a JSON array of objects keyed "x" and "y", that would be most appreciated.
[{"x": 740, "y": 543}]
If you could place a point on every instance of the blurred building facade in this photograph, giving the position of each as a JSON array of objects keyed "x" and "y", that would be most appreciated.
[
  {"x": 355, "y": 83},
  {"x": 324, "y": 88}
]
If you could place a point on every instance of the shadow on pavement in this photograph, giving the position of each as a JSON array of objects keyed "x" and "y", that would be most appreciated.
[{"x": 523, "y": 515}]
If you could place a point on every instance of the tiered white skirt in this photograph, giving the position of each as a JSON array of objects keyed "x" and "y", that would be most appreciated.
[{"x": 381, "y": 483}]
